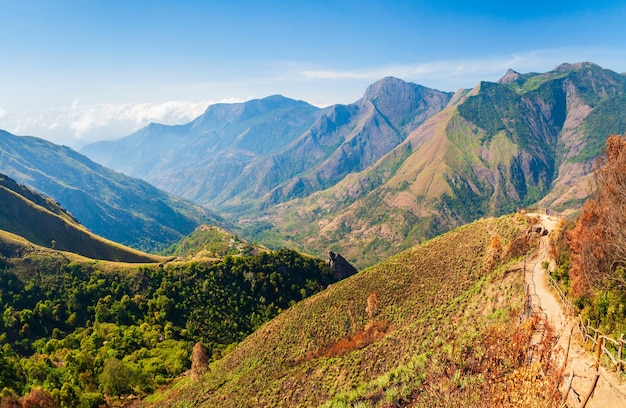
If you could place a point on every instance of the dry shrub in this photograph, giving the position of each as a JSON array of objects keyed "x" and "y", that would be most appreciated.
[
  {"x": 199, "y": 361},
  {"x": 598, "y": 241},
  {"x": 494, "y": 250},
  {"x": 494, "y": 370},
  {"x": 38, "y": 398},
  {"x": 372, "y": 332},
  {"x": 9, "y": 399},
  {"x": 372, "y": 305},
  {"x": 522, "y": 244}
]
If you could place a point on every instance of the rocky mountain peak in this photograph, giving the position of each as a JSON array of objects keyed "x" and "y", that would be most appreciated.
[
  {"x": 387, "y": 86},
  {"x": 566, "y": 67},
  {"x": 510, "y": 76}
]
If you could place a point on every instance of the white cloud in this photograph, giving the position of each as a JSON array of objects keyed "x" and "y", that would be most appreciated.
[
  {"x": 3, "y": 113},
  {"x": 78, "y": 124},
  {"x": 465, "y": 73}
]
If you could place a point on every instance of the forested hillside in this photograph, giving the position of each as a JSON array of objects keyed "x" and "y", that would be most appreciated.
[{"x": 77, "y": 332}]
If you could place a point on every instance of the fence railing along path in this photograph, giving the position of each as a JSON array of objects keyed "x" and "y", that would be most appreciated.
[
  {"x": 611, "y": 348},
  {"x": 611, "y": 390}
]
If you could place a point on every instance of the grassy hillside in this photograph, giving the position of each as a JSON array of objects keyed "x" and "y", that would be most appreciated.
[
  {"x": 208, "y": 241},
  {"x": 43, "y": 222},
  {"x": 421, "y": 326}
]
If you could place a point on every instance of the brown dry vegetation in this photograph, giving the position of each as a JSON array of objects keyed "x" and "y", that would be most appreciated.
[
  {"x": 598, "y": 241},
  {"x": 442, "y": 327}
]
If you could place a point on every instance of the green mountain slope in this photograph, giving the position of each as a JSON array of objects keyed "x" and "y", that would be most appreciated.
[
  {"x": 527, "y": 139},
  {"x": 212, "y": 242},
  {"x": 43, "y": 222},
  {"x": 117, "y": 207},
  {"x": 390, "y": 335}
]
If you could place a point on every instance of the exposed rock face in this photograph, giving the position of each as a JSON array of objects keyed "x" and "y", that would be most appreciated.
[
  {"x": 340, "y": 266},
  {"x": 199, "y": 361},
  {"x": 510, "y": 76}
]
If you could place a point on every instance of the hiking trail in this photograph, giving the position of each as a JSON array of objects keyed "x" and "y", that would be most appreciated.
[{"x": 609, "y": 392}]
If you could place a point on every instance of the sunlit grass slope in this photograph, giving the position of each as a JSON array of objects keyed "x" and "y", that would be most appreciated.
[
  {"x": 42, "y": 221},
  {"x": 374, "y": 336}
]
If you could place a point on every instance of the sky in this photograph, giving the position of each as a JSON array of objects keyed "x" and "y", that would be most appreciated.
[{"x": 77, "y": 71}]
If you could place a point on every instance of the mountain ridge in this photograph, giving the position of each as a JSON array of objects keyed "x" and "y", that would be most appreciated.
[
  {"x": 123, "y": 209},
  {"x": 41, "y": 221},
  {"x": 326, "y": 146}
]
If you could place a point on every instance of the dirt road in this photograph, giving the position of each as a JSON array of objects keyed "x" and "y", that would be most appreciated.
[{"x": 609, "y": 392}]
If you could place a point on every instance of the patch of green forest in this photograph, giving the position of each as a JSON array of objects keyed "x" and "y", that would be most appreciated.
[{"x": 82, "y": 335}]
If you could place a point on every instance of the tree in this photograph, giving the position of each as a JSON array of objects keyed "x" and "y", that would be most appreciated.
[
  {"x": 38, "y": 398},
  {"x": 598, "y": 241},
  {"x": 117, "y": 378}
]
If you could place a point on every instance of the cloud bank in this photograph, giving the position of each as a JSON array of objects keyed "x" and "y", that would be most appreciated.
[{"x": 77, "y": 124}]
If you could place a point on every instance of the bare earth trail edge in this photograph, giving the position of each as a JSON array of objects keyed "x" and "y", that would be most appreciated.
[{"x": 609, "y": 392}]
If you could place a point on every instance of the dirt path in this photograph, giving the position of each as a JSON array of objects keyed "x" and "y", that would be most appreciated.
[{"x": 609, "y": 392}]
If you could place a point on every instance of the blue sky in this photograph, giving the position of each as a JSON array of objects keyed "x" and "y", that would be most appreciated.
[{"x": 75, "y": 71}]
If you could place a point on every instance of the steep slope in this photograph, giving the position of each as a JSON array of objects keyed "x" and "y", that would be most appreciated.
[
  {"x": 500, "y": 146},
  {"x": 43, "y": 222},
  {"x": 237, "y": 157},
  {"x": 389, "y": 336},
  {"x": 345, "y": 139},
  {"x": 117, "y": 207}
]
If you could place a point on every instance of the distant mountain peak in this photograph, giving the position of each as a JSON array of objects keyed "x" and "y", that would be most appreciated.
[
  {"x": 566, "y": 67},
  {"x": 387, "y": 85},
  {"x": 510, "y": 76}
]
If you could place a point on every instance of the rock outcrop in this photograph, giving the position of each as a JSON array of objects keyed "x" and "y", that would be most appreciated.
[{"x": 340, "y": 266}]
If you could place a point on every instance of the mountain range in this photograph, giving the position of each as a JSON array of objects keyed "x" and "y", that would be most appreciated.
[
  {"x": 273, "y": 149},
  {"x": 402, "y": 164}
]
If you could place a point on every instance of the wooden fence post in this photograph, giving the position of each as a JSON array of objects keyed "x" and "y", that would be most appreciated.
[
  {"x": 597, "y": 366},
  {"x": 620, "y": 346}
]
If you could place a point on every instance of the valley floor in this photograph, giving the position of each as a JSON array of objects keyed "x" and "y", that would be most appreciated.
[{"x": 609, "y": 391}]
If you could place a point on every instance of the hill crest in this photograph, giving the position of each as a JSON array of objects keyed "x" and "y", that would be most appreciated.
[{"x": 41, "y": 221}]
